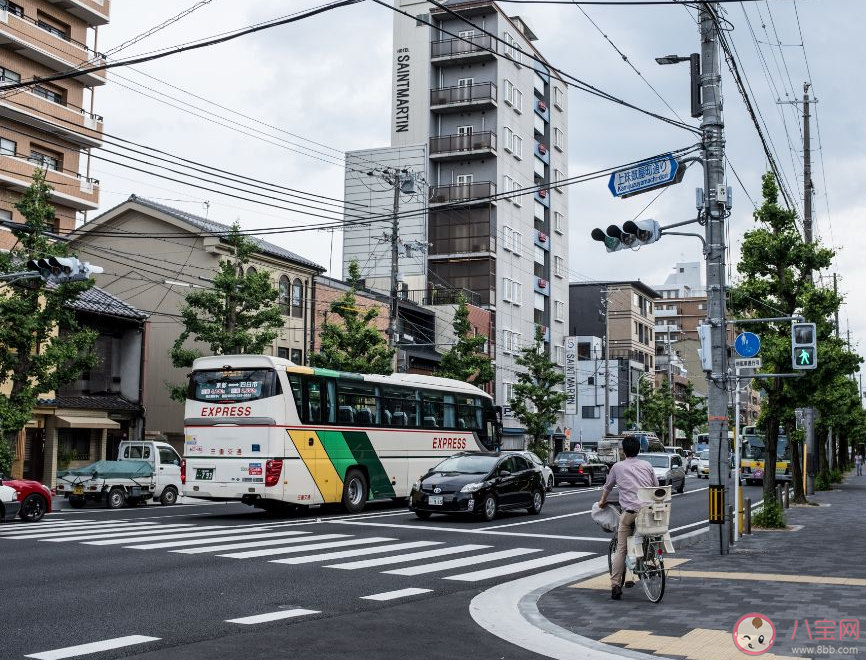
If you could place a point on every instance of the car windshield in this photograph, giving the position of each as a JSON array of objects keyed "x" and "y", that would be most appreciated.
[
  {"x": 571, "y": 457},
  {"x": 705, "y": 455},
  {"x": 655, "y": 461},
  {"x": 532, "y": 457},
  {"x": 467, "y": 464}
]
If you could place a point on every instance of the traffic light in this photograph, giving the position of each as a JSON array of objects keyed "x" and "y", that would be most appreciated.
[
  {"x": 63, "y": 269},
  {"x": 804, "y": 350},
  {"x": 631, "y": 235}
]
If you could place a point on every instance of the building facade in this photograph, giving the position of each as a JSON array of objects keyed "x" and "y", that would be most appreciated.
[
  {"x": 50, "y": 125},
  {"x": 155, "y": 254},
  {"x": 470, "y": 84}
]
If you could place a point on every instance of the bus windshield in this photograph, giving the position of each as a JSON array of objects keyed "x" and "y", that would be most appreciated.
[{"x": 232, "y": 385}]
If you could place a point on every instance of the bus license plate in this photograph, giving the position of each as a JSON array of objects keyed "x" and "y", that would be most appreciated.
[
  {"x": 435, "y": 500},
  {"x": 204, "y": 474}
]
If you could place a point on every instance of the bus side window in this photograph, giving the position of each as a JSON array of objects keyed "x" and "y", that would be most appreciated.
[
  {"x": 315, "y": 401},
  {"x": 295, "y": 383}
]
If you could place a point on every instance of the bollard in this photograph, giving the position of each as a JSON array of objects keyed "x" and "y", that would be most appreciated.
[
  {"x": 787, "y": 497},
  {"x": 731, "y": 525},
  {"x": 748, "y": 511}
]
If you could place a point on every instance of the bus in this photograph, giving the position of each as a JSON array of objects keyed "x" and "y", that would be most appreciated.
[
  {"x": 753, "y": 453},
  {"x": 266, "y": 432}
]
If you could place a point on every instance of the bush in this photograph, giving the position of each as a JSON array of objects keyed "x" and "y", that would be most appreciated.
[
  {"x": 836, "y": 476},
  {"x": 5, "y": 457},
  {"x": 822, "y": 481},
  {"x": 770, "y": 516}
]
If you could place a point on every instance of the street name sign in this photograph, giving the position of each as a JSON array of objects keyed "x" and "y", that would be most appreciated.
[
  {"x": 646, "y": 175},
  {"x": 747, "y": 363},
  {"x": 747, "y": 345}
]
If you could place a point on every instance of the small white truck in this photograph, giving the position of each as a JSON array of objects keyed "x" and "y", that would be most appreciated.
[{"x": 142, "y": 471}]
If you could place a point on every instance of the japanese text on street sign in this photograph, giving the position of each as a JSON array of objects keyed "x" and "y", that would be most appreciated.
[
  {"x": 643, "y": 176},
  {"x": 748, "y": 363}
]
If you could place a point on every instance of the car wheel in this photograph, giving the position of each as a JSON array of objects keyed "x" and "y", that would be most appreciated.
[
  {"x": 550, "y": 483},
  {"x": 423, "y": 515},
  {"x": 682, "y": 485},
  {"x": 488, "y": 508},
  {"x": 354, "y": 491},
  {"x": 115, "y": 498},
  {"x": 168, "y": 497},
  {"x": 537, "y": 502},
  {"x": 33, "y": 508},
  {"x": 76, "y": 502}
]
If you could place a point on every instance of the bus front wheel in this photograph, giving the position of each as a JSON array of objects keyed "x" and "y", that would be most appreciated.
[{"x": 354, "y": 491}]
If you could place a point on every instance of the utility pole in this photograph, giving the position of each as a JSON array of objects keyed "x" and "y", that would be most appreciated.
[
  {"x": 713, "y": 144},
  {"x": 606, "y": 302},
  {"x": 670, "y": 390}
]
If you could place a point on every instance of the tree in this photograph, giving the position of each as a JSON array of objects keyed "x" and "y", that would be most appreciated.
[
  {"x": 536, "y": 403},
  {"x": 692, "y": 415},
  {"x": 34, "y": 358},
  {"x": 239, "y": 315},
  {"x": 655, "y": 408},
  {"x": 464, "y": 361},
  {"x": 776, "y": 267},
  {"x": 353, "y": 344}
]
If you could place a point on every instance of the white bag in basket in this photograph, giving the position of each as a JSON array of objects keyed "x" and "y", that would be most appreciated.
[{"x": 608, "y": 517}]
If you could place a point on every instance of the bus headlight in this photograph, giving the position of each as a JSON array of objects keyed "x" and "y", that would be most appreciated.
[{"x": 473, "y": 487}]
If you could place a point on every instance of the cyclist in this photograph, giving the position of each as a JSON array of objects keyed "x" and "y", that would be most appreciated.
[{"x": 629, "y": 475}]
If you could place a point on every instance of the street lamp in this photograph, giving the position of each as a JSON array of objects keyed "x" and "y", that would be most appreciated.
[{"x": 695, "y": 70}]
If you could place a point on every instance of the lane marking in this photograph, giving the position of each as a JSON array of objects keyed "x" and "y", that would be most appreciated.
[
  {"x": 401, "y": 593},
  {"x": 198, "y": 533},
  {"x": 508, "y": 569},
  {"x": 93, "y": 647},
  {"x": 700, "y": 522},
  {"x": 259, "y": 544},
  {"x": 357, "y": 552},
  {"x": 304, "y": 548},
  {"x": 196, "y": 541},
  {"x": 535, "y": 520},
  {"x": 411, "y": 556},
  {"x": 272, "y": 616},
  {"x": 462, "y": 561}
]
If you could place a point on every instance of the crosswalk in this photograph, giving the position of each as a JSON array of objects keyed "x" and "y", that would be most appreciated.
[{"x": 290, "y": 544}]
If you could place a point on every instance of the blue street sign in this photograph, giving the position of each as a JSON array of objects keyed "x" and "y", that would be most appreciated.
[
  {"x": 644, "y": 176},
  {"x": 748, "y": 344}
]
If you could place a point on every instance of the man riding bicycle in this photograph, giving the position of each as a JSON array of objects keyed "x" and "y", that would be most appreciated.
[{"x": 629, "y": 475}]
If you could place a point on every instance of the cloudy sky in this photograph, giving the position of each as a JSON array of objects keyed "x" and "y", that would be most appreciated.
[{"x": 308, "y": 91}]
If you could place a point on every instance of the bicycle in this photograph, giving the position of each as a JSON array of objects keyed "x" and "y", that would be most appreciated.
[{"x": 651, "y": 526}]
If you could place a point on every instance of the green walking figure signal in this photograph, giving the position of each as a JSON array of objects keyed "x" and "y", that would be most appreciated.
[{"x": 804, "y": 350}]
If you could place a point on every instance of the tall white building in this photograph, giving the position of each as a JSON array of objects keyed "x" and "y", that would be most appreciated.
[{"x": 494, "y": 120}]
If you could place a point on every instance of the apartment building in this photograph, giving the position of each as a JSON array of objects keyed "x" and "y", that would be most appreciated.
[
  {"x": 49, "y": 125},
  {"x": 471, "y": 86}
]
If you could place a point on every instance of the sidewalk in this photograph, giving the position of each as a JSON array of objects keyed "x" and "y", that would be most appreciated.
[{"x": 805, "y": 580}]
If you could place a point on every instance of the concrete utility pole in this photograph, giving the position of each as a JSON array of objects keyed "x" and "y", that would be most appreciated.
[
  {"x": 713, "y": 142},
  {"x": 671, "y": 438},
  {"x": 606, "y": 303},
  {"x": 811, "y": 439}
]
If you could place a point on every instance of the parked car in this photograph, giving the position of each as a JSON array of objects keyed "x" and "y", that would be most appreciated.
[
  {"x": 546, "y": 470},
  {"x": 670, "y": 449},
  {"x": 704, "y": 464},
  {"x": 35, "y": 498},
  {"x": 481, "y": 483},
  {"x": 668, "y": 468},
  {"x": 9, "y": 504},
  {"x": 578, "y": 466}
]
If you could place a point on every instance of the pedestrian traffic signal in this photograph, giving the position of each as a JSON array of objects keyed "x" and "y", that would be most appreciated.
[
  {"x": 63, "y": 269},
  {"x": 804, "y": 350},
  {"x": 632, "y": 234}
]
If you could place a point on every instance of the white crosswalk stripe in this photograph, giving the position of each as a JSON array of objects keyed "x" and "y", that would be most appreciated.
[
  {"x": 304, "y": 548},
  {"x": 258, "y": 544},
  {"x": 198, "y": 541},
  {"x": 356, "y": 552},
  {"x": 520, "y": 567},
  {"x": 83, "y": 534},
  {"x": 59, "y": 529},
  {"x": 157, "y": 536},
  {"x": 462, "y": 561},
  {"x": 411, "y": 556}
]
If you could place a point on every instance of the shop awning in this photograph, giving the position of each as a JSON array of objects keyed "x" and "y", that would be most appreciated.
[{"x": 68, "y": 421}]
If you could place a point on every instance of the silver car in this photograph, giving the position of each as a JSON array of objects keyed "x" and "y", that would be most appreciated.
[
  {"x": 546, "y": 470},
  {"x": 668, "y": 468}
]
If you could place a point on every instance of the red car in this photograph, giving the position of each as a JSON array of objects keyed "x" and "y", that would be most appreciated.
[{"x": 34, "y": 497}]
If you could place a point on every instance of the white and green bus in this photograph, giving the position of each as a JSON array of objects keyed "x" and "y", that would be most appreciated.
[{"x": 269, "y": 433}]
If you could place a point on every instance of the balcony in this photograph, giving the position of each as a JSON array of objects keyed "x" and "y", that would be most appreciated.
[
  {"x": 65, "y": 121},
  {"x": 480, "y": 96},
  {"x": 72, "y": 190},
  {"x": 93, "y": 12},
  {"x": 541, "y": 285},
  {"x": 542, "y": 196},
  {"x": 23, "y": 35},
  {"x": 435, "y": 295},
  {"x": 464, "y": 192},
  {"x": 461, "y": 147},
  {"x": 667, "y": 329},
  {"x": 542, "y": 152},
  {"x": 458, "y": 232},
  {"x": 666, "y": 313},
  {"x": 460, "y": 51}
]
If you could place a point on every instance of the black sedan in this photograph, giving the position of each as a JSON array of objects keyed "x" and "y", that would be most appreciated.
[
  {"x": 479, "y": 483},
  {"x": 578, "y": 467}
]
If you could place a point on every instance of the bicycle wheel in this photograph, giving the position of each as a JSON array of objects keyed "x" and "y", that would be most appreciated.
[
  {"x": 652, "y": 576},
  {"x": 611, "y": 551}
]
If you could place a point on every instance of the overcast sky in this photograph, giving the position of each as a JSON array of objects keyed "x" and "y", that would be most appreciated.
[{"x": 327, "y": 79}]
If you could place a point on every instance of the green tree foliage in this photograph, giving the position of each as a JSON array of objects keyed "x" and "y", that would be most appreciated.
[
  {"x": 238, "y": 315},
  {"x": 691, "y": 415},
  {"x": 35, "y": 359},
  {"x": 655, "y": 408},
  {"x": 465, "y": 361},
  {"x": 776, "y": 279},
  {"x": 536, "y": 403},
  {"x": 352, "y": 344}
]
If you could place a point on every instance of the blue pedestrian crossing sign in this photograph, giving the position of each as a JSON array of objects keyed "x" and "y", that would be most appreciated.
[{"x": 747, "y": 345}]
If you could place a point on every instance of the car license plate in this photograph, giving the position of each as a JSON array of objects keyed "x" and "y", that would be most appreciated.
[
  {"x": 435, "y": 500},
  {"x": 204, "y": 474},
  {"x": 78, "y": 490},
  {"x": 563, "y": 469}
]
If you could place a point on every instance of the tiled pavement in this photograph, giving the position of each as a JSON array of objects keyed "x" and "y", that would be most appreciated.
[{"x": 830, "y": 544}]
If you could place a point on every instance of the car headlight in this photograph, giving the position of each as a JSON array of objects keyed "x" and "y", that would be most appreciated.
[
  {"x": 416, "y": 485},
  {"x": 473, "y": 487}
]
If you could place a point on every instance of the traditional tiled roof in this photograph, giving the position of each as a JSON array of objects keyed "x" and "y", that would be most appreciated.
[
  {"x": 99, "y": 301},
  {"x": 103, "y": 402}
]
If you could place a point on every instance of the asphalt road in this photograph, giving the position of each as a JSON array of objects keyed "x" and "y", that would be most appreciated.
[{"x": 343, "y": 586}]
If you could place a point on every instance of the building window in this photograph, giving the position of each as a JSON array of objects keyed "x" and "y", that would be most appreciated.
[
  {"x": 513, "y": 96},
  {"x": 507, "y": 184},
  {"x": 49, "y": 162},
  {"x": 539, "y": 210},
  {"x": 282, "y": 353},
  {"x": 508, "y": 234},
  {"x": 297, "y": 299},
  {"x": 7, "y": 76},
  {"x": 558, "y": 222},
  {"x": 539, "y": 255},
  {"x": 512, "y": 291},
  {"x": 590, "y": 412},
  {"x": 508, "y": 392},
  {"x": 559, "y": 266},
  {"x": 559, "y": 355},
  {"x": 513, "y": 49},
  {"x": 75, "y": 442},
  {"x": 48, "y": 94},
  {"x": 517, "y": 198},
  {"x": 297, "y": 356},
  {"x": 7, "y": 147},
  {"x": 558, "y": 98},
  {"x": 284, "y": 290},
  {"x": 465, "y": 179},
  {"x": 558, "y": 176},
  {"x": 517, "y": 147},
  {"x": 12, "y": 8},
  {"x": 558, "y": 139},
  {"x": 508, "y": 136},
  {"x": 559, "y": 311}
]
